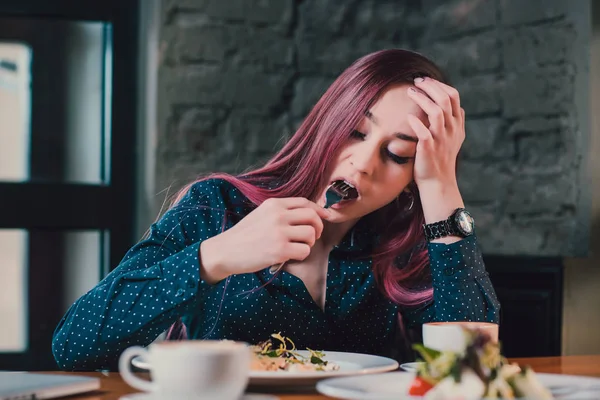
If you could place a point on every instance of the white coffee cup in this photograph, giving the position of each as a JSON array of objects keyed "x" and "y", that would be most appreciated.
[
  {"x": 450, "y": 336},
  {"x": 191, "y": 369}
]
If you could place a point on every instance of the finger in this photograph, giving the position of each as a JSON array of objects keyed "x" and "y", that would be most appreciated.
[
  {"x": 463, "y": 122},
  {"x": 434, "y": 90},
  {"x": 301, "y": 234},
  {"x": 433, "y": 111},
  {"x": 294, "y": 202},
  {"x": 297, "y": 251},
  {"x": 305, "y": 216},
  {"x": 300, "y": 202},
  {"x": 423, "y": 134},
  {"x": 454, "y": 97}
]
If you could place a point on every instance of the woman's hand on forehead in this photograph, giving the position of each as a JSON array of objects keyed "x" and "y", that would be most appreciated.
[
  {"x": 437, "y": 149},
  {"x": 440, "y": 142}
]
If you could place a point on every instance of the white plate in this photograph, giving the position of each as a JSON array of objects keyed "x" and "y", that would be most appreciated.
[
  {"x": 411, "y": 366},
  {"x": 395, "y": 386},
  {"x": 350, "y": 364},
  {"x": 150, "y": 396}
]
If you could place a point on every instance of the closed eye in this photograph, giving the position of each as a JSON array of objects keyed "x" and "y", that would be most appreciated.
[
  {"x": 357, "y": 135},
  {"x": 394, "y": 157},
  {"x": 398, "y": 159}
]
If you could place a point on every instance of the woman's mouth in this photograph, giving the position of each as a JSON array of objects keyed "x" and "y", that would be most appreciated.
[
  {"x": 339, "y": 193},
  {"x": 347, "y": 190},
  {"x": 342, "y": 204}
]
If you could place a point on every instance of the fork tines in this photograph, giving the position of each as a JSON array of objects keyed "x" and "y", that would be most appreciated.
[{"x": 343, "y": 188}]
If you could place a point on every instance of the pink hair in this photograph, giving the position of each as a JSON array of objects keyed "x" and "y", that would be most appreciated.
[{"x": 299, "y": 169}]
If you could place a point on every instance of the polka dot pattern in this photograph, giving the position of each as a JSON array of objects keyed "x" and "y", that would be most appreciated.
[{"x": 158, "y": 282}]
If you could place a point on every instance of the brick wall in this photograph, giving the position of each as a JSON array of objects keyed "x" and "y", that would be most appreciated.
[{"x": 237, "y": 75}]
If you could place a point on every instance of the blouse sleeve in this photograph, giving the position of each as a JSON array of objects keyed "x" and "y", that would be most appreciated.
[
  {"x": 157, "y": 281},
  {"x": 462, "y": 290}
]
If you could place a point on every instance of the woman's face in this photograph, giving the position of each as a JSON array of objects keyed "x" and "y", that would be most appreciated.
[{"x": 378, "y": 158}]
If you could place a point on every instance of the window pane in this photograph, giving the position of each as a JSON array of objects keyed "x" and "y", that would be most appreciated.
[
  {"x": 15, "y": 105},
  {"x": 83, "y": 258},
  {"x": 13, "y": 290},
  {"x": 63, "y": 265},
  {"x": 58, "y": 101}
]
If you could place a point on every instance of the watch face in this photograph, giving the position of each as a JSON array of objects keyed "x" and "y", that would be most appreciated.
[{"x": 465, "y": 222}]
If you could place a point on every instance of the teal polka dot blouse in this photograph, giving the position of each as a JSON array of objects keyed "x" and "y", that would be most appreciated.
[{"x": 158, "y": 283}]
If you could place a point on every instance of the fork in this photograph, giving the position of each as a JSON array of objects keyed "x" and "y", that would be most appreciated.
[{"x": 336, "y": 192}]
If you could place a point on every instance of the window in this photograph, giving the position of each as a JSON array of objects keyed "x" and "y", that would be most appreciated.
[
  {"x": 15, "y": 108},
  {"x": 13, "y": 291},
  {"x": 67, "y": 134}
]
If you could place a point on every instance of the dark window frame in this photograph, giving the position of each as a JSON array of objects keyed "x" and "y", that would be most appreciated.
[{"x": 45, "y": 207}]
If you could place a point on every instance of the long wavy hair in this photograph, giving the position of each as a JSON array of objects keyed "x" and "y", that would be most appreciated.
[{"x": 299, "y": 169}]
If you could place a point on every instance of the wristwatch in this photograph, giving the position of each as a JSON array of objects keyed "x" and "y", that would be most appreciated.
[{"x": 460, "y": 223}]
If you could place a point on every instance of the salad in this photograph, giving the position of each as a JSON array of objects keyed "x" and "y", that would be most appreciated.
[
  {"x": 479, "y": 371},
  {"x": 279, "y": 354}
]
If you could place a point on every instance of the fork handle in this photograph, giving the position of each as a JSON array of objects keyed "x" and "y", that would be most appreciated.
[{"x": 273, "y": 270}]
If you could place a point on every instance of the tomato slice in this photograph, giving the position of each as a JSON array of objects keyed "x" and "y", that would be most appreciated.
[{"x": 419, "y": 387}]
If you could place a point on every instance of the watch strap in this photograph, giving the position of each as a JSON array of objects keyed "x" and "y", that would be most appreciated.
[{"x": 441, "y": 229}]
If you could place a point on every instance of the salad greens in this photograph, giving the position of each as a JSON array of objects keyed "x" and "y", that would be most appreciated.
[
  {"x": 480, "y": 371},
  {"x": 282, "y": 347}
]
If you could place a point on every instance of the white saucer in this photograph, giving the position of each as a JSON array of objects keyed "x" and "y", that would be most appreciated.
[
  {"x": 151, "y": 396},
  {"x": 411, "y": 366}
]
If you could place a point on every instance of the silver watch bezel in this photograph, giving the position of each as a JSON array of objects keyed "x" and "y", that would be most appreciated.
[{"x": 456, "y": 219}]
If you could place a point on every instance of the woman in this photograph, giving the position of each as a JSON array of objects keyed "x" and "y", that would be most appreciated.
[{"x": 244, "y": 257}]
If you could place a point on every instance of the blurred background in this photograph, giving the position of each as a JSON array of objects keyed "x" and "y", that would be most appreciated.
[{"x": 108, "y": 107}]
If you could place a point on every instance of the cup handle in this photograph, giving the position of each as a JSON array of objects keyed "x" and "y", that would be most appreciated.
[{"x": 125, "y": 369}]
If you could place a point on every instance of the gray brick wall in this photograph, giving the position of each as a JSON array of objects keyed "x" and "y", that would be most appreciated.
[{"x": 238, "y": 75}]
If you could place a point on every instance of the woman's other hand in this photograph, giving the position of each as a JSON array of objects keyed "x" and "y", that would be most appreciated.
[{"x": 276, "y": 231}]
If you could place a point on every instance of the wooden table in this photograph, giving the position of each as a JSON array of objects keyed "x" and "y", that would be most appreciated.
[{"x": 113, "y": 386}]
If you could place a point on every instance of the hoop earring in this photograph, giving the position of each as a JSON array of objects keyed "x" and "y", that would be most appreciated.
[
  {"x": 411, "y": 196},
  {"x": 412, "y": 201}
]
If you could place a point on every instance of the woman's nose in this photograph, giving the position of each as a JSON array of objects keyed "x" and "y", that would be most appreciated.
[{"x": 364, "y": 158}]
